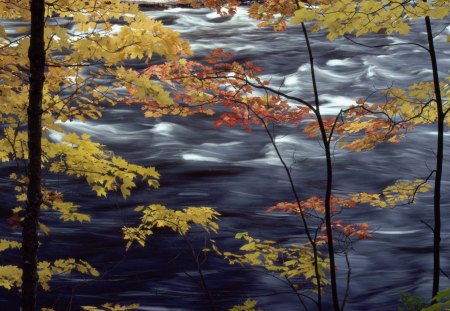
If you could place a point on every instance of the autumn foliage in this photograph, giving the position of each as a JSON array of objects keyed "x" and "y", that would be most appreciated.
[
  {"x": 235, "y": 95},
  {"x": 252, "y": 101}
]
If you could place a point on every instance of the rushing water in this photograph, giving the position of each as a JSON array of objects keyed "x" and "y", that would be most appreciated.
[{"x": 239, "y": 174}]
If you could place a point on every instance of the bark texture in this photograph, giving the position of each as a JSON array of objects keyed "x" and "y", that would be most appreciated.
[{"x": 36, "y": 55}]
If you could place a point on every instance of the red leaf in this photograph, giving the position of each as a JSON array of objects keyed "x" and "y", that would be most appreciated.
[{"x": 15, "y": 221}]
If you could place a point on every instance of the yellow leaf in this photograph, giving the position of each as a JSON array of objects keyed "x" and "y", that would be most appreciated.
[
  {"x": 44, "y": 228},
  {"x": 10, "y": 276},
  {"x": 7, "y": 244}
]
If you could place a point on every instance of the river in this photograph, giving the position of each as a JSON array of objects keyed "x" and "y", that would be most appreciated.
[{"x": 238, "y": 174}]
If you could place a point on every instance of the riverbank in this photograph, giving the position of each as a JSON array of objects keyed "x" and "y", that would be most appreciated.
[
  {"x": 158, "y": 4},
  {"x": 165, "y": 4}
]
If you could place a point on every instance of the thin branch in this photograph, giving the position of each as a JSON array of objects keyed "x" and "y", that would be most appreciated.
[
  {"x": 426, "y": 224},
  {"x": 385, "y": 45},
  {"x": 347, "y": 287}
]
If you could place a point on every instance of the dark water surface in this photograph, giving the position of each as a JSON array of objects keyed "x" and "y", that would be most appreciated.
[{"x": 239, "y": 175}]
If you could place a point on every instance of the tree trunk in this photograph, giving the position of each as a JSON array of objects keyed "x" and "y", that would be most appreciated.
[
  {"x": 329, "y": 182},
  {"x": 439, "y": 161},
  {"x": 36, "y": 55}
]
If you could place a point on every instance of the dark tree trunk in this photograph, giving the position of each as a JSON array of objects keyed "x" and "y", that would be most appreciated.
[
  {"x": 439, "y": 161},
  {"x": 329, "y": 182},
  {"x": 36, "y": 55}
]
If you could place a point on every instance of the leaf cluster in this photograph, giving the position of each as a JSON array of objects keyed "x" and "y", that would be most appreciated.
[
  {"x": 294, "y": 261},
  {"x": 157, "y": 216}
]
